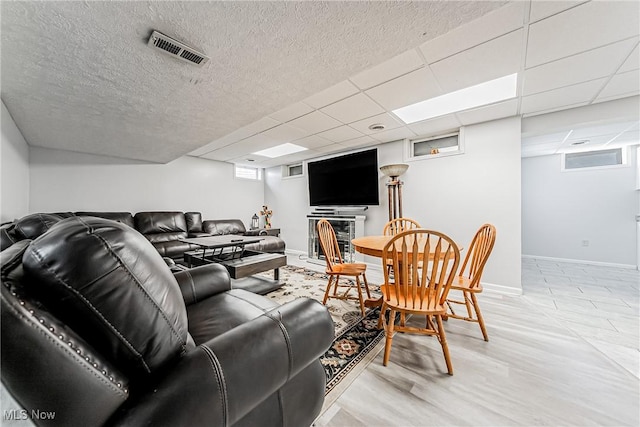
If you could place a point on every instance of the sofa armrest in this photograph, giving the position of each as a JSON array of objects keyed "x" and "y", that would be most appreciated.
[
  {"x": 191, "y": 235},
  {"x": 225, "y": 378},
  {"x": 201, "y": 282}
]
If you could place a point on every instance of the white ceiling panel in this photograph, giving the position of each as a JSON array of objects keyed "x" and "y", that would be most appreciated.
[
  {"x": 435, "y": 126},
  {"x": 406, "y": 90},
  {"x": 331, "y": 148},
  {"x": 540, "y": 150},
  {"x": 312, "y": 141},
  {"x": 632, "y": 62},
  {"x": 333, "y": 94},
  {"x": 496, "y": 58},
  {"x": 354, "y": 108},
  {"x": 386, "y": 119},
  {"x": 625, "y": 84},
  {"x": 490, "y": 112},
  {"x": 554, "y": 138},
  {"x": 395, "y": 67},
  {"x": 315, "y": 122},
  {"x": 291, "y": 112},
  {"x": 579, "y": 68},
  {"x": 284, "y": 133},
  {"x": 488, "y": 27},
  {"x": 568, "y": 95},
  {"x": 237, "y": 135},
  {"x": 394, "y": 134},
  {"x": 607, "y": 130},
  {"x": 359, "y": 142},
  {"x": 341, "y": 133},
  {"x": 584, "y": 27},
  {"x": 541, "y": 9},
  {"x": 239, "y": 149}
]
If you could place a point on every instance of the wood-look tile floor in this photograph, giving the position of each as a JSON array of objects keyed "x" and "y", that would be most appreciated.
[{"x": 565, "y": 353}]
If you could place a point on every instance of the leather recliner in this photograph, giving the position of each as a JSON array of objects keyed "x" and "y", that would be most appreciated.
[{"x": 97, "y": 329}]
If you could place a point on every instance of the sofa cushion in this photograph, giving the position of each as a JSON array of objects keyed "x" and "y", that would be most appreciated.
[
  {"x": 194, "y": 222},
  {"x": 123, "y": 217},
  {"x": 172, "y": 248},
  {"x": 109, "y": 284},
  {"x": 34, "y": 225},
  {"x": 271, "y": 244},
  {"x": 160, "y": 222},
  {"x": 223, "y": 226}
]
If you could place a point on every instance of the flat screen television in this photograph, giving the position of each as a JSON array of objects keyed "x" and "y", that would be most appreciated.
[{"x": 349, "y": 180}]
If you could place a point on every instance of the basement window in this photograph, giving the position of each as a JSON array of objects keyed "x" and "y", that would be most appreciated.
[
  {"x": 248, "y": 172},
  {"x": 594, "y": 159},
  {"x": 431, "y": 147},
  {"x": 295, "y": 170}
]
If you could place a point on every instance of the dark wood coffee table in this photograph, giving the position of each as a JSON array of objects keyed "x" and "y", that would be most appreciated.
[{"x": 229, "y": 251}]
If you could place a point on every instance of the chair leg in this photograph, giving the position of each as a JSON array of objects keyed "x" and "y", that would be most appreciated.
[
  {"x": 366, "y": 285},
  {"x": 335, "y": 286},
  {"x": 479, "y": 316},
  {"x": 389, "y": 337},
  {"x": 360, "y": 299},
  {"x": 443, "y": 342},
  {"x": 381, "y": 322},
  {"x": 326, "y": 293}
]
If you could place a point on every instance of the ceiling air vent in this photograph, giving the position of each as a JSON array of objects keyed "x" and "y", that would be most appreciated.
[{"x": 176, "y": 49}]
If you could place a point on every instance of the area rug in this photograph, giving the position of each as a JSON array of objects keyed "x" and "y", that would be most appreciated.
[{"x": 356, "y": 338}]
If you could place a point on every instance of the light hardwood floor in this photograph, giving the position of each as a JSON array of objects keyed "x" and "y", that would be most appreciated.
[{"x": 565, "y": 353}]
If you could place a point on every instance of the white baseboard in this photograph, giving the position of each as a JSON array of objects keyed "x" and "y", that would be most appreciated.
[
  {"x": 501, "y": 289},
  {"x": 581, "y": 261}
]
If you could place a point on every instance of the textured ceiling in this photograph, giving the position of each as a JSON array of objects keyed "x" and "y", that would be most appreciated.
[{"x": 79, "y": 76}]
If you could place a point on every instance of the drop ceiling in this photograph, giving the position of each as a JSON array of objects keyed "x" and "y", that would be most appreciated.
[{"x": 80, "y": 77}]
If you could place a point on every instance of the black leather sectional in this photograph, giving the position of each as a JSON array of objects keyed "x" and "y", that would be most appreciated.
[
  {"x": 163, "y": 229},
  {"x": 96, "y": 328}
]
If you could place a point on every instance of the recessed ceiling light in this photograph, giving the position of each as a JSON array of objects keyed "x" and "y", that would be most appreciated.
[
  {"x": 377, "y": 126},
  {"x": 280, "y": 150},
  {"x": 463, "y": 99}
]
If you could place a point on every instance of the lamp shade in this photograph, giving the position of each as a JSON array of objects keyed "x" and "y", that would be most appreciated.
[{"x": 394, "y": 170}]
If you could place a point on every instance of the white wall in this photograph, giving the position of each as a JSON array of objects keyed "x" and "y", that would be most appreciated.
[
  {"x": 14, "y": 157},
  {"x": 454, "y": 194},
  {"x": 561, "y": 209},
  {"x": 68, "y": 181}
]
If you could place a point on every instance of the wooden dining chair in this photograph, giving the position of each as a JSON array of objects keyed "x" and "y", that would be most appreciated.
[
  {"x": 424, "y": 264},
  {"x": 399, "y": 225},
  {"x": 468, "y": 279},
  {"x": 337, "y": 268}
]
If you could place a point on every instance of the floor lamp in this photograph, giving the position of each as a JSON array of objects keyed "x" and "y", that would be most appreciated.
[{"x": 394, "y": 188}]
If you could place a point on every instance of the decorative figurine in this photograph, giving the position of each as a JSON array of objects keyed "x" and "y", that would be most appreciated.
[{"x": 267, "y": 216}]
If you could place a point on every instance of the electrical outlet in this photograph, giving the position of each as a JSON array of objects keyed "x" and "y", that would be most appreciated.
[{"x": 585, "y": 243}]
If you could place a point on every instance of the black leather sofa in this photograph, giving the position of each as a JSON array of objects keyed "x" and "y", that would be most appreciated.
[
  {"x": 163, "y": 229},
  {"x": 97, "y": 329}
]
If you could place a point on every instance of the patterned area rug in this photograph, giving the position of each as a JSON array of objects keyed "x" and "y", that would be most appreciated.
[{"x": 356, "y": 337}]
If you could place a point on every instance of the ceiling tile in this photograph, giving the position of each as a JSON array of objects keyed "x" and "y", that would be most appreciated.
[
  {"x": 331, "y": 148},
  {"x": 502, "y": 21},
  {"x": 341, "y": 133},
  {"x": 385, "y": 119},
  {"x": 607, "y": 130},
  {"x": 585, "y": 66},
  {"x": 489, "y": 112},
  {"x": 555, "y": 109},
  {"x": 359, "y": 142},
  {"x": 353, "y": 108},
  {"x": 539, "y": 140},
  {"x": 240, "y": 149},
  {"x": 544, "y": 9},
  {"x": 315, "y": 122},
  {"x": 395, "y": 67},
  {"x": 621, "y": 85},
  {"x": 291, "y": 112},
  {"x": 496, "y": 58},
  {"x": 284, "y": 133},
  {"x": 584, "y": 27},
  {"x": 632, "y": 62},
  {"x": 406, "y": 90},
  {"x": 568, "y": 95},
  {"x": 394, "y": 134},
  {"x": 435, "y": 126},
  {"x": 237, "y": 135},
  {"x": 540, "y": 150},
  {"x": 333, "y": 94},
  {"x": 312, "y": 141}
]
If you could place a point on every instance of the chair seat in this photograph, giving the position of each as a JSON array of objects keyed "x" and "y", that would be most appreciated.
[
  {"x": 462, "y": 283},
  {"x": 348, "y": 269},
  {"x": 421, "y": 306}
]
